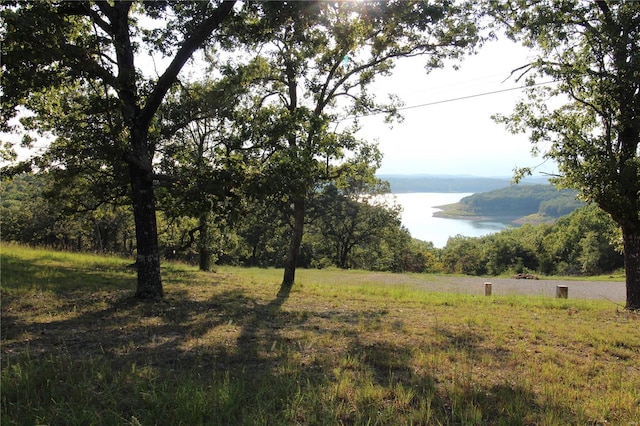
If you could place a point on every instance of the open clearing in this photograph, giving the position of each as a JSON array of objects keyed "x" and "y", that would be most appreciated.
[
  {"x": 597, "y": 290},
  {"x": 345, "y": 347}
]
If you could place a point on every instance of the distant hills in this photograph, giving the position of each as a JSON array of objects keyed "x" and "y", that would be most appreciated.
[
  {"x": 533, "y": 200},
  {"x": 452, "y": 183},
  {"x": 520, "y": 204}
]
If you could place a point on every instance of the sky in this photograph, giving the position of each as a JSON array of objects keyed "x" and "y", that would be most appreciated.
[{"x": 457, "y": 137}]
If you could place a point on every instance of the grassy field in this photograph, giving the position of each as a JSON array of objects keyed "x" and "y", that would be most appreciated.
[{"x": 222, "y": 349}]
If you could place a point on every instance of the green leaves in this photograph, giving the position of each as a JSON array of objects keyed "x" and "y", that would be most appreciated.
[{"x": 588, "y": 48}]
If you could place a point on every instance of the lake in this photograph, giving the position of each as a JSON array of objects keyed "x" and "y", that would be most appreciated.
[{"x": 417, "y": 217}]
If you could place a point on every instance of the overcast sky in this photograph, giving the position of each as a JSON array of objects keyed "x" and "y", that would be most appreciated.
[{"x": 456, "y": 137}]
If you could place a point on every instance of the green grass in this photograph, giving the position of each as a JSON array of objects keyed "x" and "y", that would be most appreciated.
[
  {"x": 617, "y": 276},
  {"x": 346, "y": 347}
]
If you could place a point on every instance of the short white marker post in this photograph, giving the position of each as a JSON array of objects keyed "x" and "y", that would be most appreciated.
[
  {"x": 487, "y": 289},
  {"x": 562, "y": 291}
]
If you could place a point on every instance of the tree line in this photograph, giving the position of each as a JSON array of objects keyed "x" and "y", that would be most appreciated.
[
  {"x": 453, "y": 183},
  {"x": 349, "y": 227},
  {"x": 585, "y": 242},
  {"x": 272, "y": 116},
  {"x": 357, "y": 226}
]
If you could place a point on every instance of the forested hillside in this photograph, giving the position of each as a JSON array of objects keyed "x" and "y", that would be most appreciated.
[
  {"x": 349, "y": 227},
  {"x": 585, "y": 242},
  {"x": 516, "y": 201}
]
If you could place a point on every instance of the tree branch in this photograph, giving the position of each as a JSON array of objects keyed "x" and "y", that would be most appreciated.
[
  {"x": 189, "y": 46},
  {"x": 604, "y": 7},
  {"x": 88, "y": 64}
]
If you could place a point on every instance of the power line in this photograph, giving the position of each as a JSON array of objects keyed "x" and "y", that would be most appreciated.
[
  {"x": 477, "y": 95},
  {"x": 458, "y": 84},
  {"x": 474, "y": 96}
]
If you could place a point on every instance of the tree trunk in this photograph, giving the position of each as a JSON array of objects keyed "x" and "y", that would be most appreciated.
[
  {"x": 294, "y": 246},
  {"x": 254, "y": 252},
  {"x": 96, "y": 228},
  {"x": 204, "y": 243},
  {"x": 148, "y": 256},
  {"x": 344, "y": 255},
  {"x": 631, "y": 238}
]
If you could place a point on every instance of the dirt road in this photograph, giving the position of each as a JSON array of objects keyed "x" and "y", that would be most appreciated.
[{"x": 613, "y": 291}]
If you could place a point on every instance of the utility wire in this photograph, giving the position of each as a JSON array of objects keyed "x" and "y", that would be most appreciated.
[{"x": 477, "y": 95}]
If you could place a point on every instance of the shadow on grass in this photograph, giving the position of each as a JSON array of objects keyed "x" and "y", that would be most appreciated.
[{"x": 226, "y": 359}]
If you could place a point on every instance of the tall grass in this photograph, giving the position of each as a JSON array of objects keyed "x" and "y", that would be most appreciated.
[{"x": 346, "y": 347}]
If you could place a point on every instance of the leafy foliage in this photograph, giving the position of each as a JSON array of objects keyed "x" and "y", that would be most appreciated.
[
  {"x": 32, "y": 213},
  {"x": 585, "y": 242},
  {"x": 95, "y": 49},
  {"x": 347, "y": 228},
  {"x": 588, "y": 121},
  {"x": 322, "y": 58}
]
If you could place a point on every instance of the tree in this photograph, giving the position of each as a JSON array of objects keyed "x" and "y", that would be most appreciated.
[
  {"x": 29, "y": 217},
  {"x": 587, "y": 242},
  {"x": 590, "y": 50},
  {"x": 202, "y": 153},
  {"x": 263, "y": 243},
  {"x": 510, "y": 249},
  {"x": 84, "y": 172},
  {"x": 464, "y": 255},
  {"x": 32, "y": 213},
  {"x": 47, "y": 46},
  {"x": 421, "y": 256},
  {"x": 351, "y": 217},
  {"x": 323, "y": 56}
]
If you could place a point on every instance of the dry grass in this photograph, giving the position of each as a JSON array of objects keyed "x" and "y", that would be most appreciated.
[{"x": 223, "y": 349}]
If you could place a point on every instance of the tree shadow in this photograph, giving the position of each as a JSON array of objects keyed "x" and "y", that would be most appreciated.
[
  {"x": 173, "y": 336},
  {"x": 460, "y": 400}
]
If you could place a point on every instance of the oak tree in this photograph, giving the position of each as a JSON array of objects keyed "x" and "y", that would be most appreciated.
[
  {"x": 323, "y": 57},
  {"x": 588, "y": 121},
  {"x": 102, "y": 46}
]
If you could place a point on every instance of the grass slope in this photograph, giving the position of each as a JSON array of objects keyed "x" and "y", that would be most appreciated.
[{"x": 223, "y": 349}]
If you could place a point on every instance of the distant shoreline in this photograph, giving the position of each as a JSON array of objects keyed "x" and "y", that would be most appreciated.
[
  {"x": 443, "y": 215},
  {"x": 533, "y": 219},
  {"x": 502, "y": 219},
  {"x": 404, "y": 184}
]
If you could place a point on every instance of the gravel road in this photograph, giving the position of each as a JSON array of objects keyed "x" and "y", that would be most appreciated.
[{"x": 603, "y": 290}]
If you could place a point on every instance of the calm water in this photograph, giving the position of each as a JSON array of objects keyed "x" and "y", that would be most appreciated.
[{"x": 417, "y": 216}]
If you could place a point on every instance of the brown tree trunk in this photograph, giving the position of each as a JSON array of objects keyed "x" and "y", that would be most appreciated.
[
  {"x": 631, "y": 236},
  {"x": 96, "y": 227},
  {"x": 148, "y": 255},
  {"x": 139, "y": 120},
  {"x": 294, "y": 247},
  {"x": 204, "y": 243}
]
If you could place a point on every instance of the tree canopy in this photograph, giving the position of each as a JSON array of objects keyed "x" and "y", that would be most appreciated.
[
  {"x": 588, "y": 121},
  {"x": 276, "y": 119},
  {"x": 321, "y": 60},
  {"x": 99, "y": 48},
  {"x": 78, "y": 67}
]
